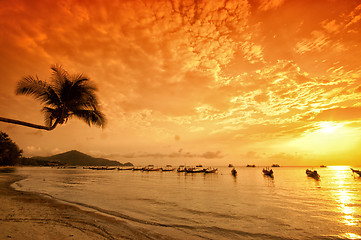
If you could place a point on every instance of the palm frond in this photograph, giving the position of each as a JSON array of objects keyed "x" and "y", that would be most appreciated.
[
  {"x": 48, "y": 115},
  {"x": 94, "y": 117},
  {"x": 30, "y": 85},
  {"x": 81, "y": 79},
  {"x": 59, "y": 78},
  {"x": 56, "y": 114},
  {"x": 40, "y": 90},
  {"x": 81, "y": 93},
  {"x": 53, "y": 99},
  {"x": 65, "y": 91},
  {"x": 59, "y": 75}
]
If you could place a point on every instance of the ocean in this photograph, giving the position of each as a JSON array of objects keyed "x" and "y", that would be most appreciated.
[{"x": 216, "y": 205}]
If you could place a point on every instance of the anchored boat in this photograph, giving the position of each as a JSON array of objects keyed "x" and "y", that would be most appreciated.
[
  {"x": 313, "y": 174},
  {"x": 267, "y": 172},
  {"x": 356, "y": 171}
]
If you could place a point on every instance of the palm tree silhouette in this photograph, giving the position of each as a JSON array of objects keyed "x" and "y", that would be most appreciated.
[{"x": 66, "y": 96}]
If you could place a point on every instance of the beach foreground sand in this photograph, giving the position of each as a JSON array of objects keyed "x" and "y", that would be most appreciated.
[{"x": 25, "y": 215}]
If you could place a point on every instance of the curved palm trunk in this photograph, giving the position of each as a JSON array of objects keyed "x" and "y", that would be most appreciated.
[{"x": 7, "y": 120}]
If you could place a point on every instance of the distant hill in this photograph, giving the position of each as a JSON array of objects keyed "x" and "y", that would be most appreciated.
[{"x": 76, "y": 158}]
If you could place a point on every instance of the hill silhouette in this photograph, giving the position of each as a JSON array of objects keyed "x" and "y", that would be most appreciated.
[{"x": 76, "y": 158}]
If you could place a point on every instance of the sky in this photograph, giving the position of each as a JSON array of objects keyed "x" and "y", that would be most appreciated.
[{"x": 193, "y": 82}]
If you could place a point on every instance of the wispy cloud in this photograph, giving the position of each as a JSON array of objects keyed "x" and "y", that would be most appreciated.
[{"x": 270, "y": 4}]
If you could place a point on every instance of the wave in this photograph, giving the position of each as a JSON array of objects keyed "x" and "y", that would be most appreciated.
[
  {"x": 198, "y": 212},
  {"x": 204, "y": 232}
]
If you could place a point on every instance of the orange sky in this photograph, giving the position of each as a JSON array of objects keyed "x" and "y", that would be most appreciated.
[{"x": 211, "y": 82}]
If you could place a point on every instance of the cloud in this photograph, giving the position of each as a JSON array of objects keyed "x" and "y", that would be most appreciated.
[
  {"x": 38, "y": 133},
  {"x": 285, "y": 158},
  {"x": 282, "y": 158},
  {"x": 178, "y": 154},
  {"x": 339, "y": 114},
  {"x": 251, "y": 155},
  {"x": 354, "y": 16},
  {"x": 266, "y": 5},
  {"x": 32, "y": 150},
  {"x": 317, "y": 42},
  {"x": 163, "y": 56},
  {"x": 334, "y": 34},
  {"x": 331, "y": 26},
  {"x": 211, "y": 155},
  {"x": 39, "y": 151}
]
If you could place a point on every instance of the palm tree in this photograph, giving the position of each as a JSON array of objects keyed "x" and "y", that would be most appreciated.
[{"x": 66, "y": 96}]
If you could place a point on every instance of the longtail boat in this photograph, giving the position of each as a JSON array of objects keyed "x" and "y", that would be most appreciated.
[
  {"x": 210, "y": 170},
  {"x": 234, "y": 172},
  {"x": 267, "y": 172},
  {"x": 313, "y": 174},
  {"x": 194, "y": 170},
  {"x": 356, "y": 171}
]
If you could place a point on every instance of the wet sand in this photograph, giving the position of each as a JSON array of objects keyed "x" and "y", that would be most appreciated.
[{"x": 25, "y": 215}]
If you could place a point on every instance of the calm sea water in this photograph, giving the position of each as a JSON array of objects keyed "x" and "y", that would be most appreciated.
[{"x": 215, "y": 206}]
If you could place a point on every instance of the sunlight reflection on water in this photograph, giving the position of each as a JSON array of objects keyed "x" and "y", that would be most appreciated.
[
  {"x": 352, "y": 236},
  {"x": 345, "y": 198}
]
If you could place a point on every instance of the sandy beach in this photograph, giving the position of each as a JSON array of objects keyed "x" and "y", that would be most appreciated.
[{"x": 25, "y": 215}]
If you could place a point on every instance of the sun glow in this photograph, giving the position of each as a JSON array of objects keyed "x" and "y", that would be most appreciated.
[
  {"x": 327, "y": 137},
  {"x": 328, "y": 127},
  {"x": 339, "y": 168}
]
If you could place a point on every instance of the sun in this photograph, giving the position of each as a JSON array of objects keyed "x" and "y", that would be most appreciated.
[
  {"x": 327, "y": 127},
  {"x": 326, "y": 137}
]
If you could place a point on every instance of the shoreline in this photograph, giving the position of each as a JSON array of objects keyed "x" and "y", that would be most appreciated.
[{"x": 28, "y": 215}]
